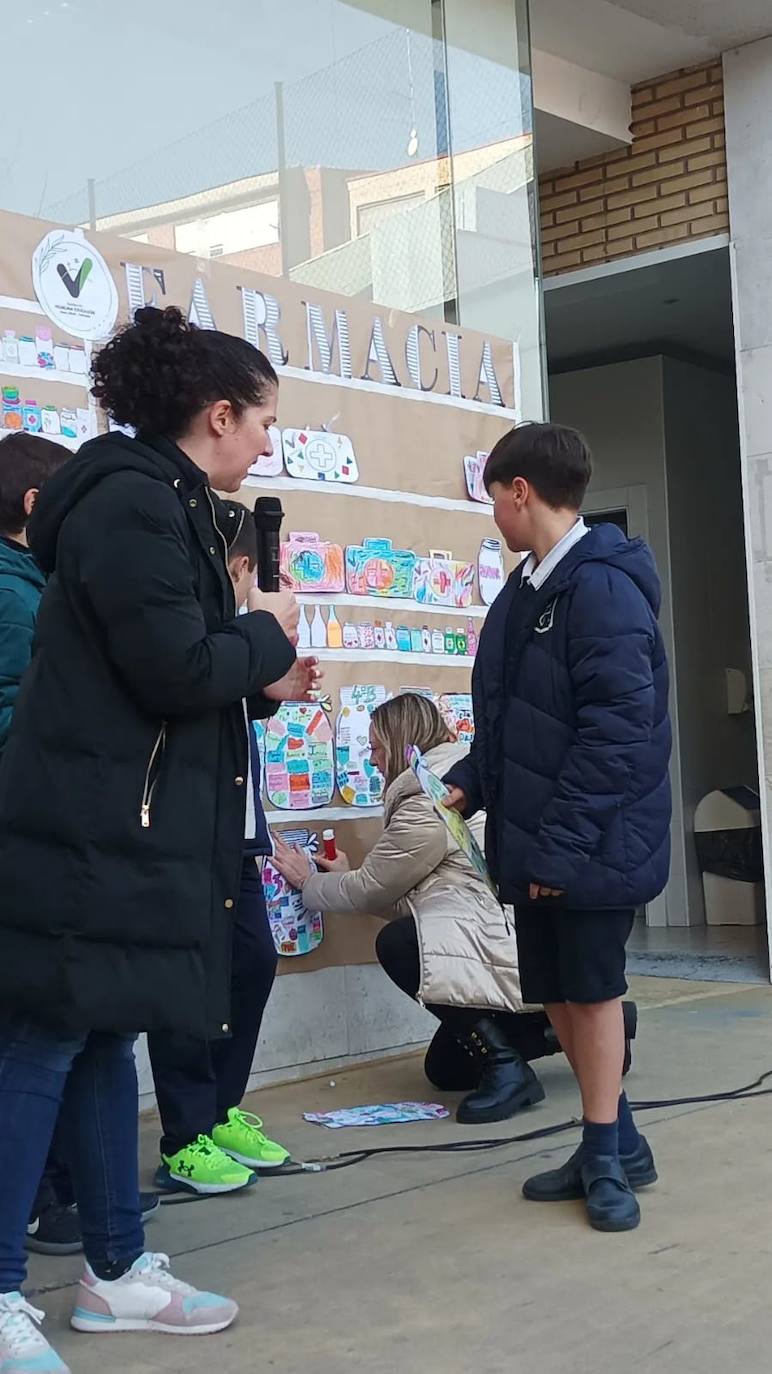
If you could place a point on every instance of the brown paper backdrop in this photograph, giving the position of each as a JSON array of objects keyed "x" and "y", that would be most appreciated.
[{"x": 402, "y": 443}]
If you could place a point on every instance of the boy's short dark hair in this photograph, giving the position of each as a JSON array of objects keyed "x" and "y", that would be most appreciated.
[
  {"x": 555, "y": 460},
  {"x": 240, "y": 533},
  {"x": 26, "y": 462}
]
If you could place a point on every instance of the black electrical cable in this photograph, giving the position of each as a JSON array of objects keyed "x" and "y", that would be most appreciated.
[{"x": 346, "y": 1158}]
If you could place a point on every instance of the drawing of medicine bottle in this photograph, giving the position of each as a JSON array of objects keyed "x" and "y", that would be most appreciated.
[
  {"x": 471, "y": 638},
  {"x": 438, "y": 642},
  {"x": 490, "y": 570},
  {"x": 380, "y": 635},
  {"x": 391, "y": 638},
  {"x": 318, "y": 630},
  {"x": 304, "y": 630},
  {"x": 350, "y": 636},
  {"x": 334, "y": 631}
]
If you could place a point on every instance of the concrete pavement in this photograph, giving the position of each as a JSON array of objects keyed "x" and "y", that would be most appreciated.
[{"x": 433, "y": 1262}]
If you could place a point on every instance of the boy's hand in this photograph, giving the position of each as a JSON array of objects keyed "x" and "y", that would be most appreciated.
[
  {"x": 455, "y": 799},
  {"x": 535, "y": 892}
]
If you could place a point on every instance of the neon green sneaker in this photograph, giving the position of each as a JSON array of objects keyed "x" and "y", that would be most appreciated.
[
  {"x": 203, "y": 1168},
  {"x": 242, "y": 1138}
]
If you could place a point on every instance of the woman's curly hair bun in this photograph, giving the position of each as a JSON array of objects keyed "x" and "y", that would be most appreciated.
[{"x": 160, "y": 371}]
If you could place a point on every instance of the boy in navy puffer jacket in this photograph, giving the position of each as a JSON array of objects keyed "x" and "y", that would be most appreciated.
[{"x": 571, "y": 762}]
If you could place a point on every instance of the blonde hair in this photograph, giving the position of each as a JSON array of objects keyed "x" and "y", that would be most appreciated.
[{"x": 405, "y": 720}]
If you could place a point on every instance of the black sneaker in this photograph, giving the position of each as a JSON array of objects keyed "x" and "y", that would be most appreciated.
[
  {"x": 565, "y": 1184},
  {"x": 56, "y": 1231}
]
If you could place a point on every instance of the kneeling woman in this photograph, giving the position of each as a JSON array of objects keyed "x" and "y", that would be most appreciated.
[{"x": 449, "y": 943}]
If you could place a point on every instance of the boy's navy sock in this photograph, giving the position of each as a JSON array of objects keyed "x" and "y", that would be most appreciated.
[
  {"x": 628, "y": 1132},
  {"x": 600, "y": 1138}
]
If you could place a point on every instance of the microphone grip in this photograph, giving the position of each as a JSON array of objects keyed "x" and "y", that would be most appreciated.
[
  {"x": 268, "y": 516},
  {"x": 268, "y": 579}
]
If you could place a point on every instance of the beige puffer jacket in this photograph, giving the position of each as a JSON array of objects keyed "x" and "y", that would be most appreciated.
[{"x": 466, "y": 943}]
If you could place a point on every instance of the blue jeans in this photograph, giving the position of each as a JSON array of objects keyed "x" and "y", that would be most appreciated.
[{"x": 91, "y": 1078}]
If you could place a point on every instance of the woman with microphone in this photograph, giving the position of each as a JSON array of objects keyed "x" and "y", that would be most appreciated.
[{"x": 122, "y": 801}]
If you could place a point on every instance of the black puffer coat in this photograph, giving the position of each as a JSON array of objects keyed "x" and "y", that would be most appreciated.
[{"x": 122, "y": 787}]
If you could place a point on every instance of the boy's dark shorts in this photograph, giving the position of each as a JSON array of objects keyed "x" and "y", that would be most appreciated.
[{"x": 571, "y": 955}]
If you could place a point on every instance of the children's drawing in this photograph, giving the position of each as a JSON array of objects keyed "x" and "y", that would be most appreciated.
[
  {"x": 375, "y": 568},
  {"x": 315, "y": 455},
  {"x": 311, "y": 564},
  {"x": 299, "y": 758},
  {"x": 490, "y": 570},
  {"x": 359, "y": 782},
  {"x": 270, "y": 466},
  {"x": 380, "y": 1114},
  {"x": 436, "y": 790},
  {"x": 456, "y": 709},
  {"x": 441, "y": 580},
  {"x": 294, "y": 928},
  {"x": 474, "y": 467}
]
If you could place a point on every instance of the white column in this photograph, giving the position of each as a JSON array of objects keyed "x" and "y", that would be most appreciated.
[{"x": 748, "y": 97}]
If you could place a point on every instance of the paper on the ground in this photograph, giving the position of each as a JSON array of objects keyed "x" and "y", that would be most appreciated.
[
  {"x": 382, "y": 1114},
  {"x": 436, "y": 790}
]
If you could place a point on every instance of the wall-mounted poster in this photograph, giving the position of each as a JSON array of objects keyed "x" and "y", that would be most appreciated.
[
  {"x": 404, "y": 401},
  {"x": 311, "y": 564},
  {"x": 294, "y": 928},
  {"x": 316, "y": 456},
  {"x": 376, "y": 568},
  {"x": 441, "y": 580},
  {"x": 299, "y": 757},
  {"x": 359, "y": 782}
]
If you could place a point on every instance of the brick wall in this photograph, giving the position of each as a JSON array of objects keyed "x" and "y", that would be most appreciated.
[{"x": 667, "y": 186}]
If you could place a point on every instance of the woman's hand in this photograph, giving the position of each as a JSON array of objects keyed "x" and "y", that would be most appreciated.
[
  {"x": 340, "y": 864},
  {"x": 454, "y": 799},
  {"x": 293, "y": 863},
  {"x": 301, "y": 683},
  {"x": 281, "y": 605}
]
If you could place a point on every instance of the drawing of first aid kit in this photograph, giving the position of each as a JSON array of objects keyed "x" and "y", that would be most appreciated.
[
  {"x": 375, "y": 568},
  {"x": 441, "y": 580},
  {"x": 311, "y": 564},
  {"x": 315, "y": 455}
]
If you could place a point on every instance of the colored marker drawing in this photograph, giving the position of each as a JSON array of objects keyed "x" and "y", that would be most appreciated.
[
  {"x": 359, "y": 782},
  {"x": 440, "y": 580},
  {"x": 299, "y": 757},
  {"x": 435, "y": 790},
  {"x": 375, "y": 568},
  {"x": 474, "y": 467},
  {"x": 456, "y": 709},
  {"x": 311, "y": 564},
  {"x": 294, "y": 928},
  {"x": 317, "y": 456}
]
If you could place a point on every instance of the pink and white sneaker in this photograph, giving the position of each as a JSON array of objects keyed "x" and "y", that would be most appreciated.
[{"x": 149, "y": 1298}]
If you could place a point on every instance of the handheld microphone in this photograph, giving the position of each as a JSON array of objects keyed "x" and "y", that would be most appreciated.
[{"x": 268, "y": 516}]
